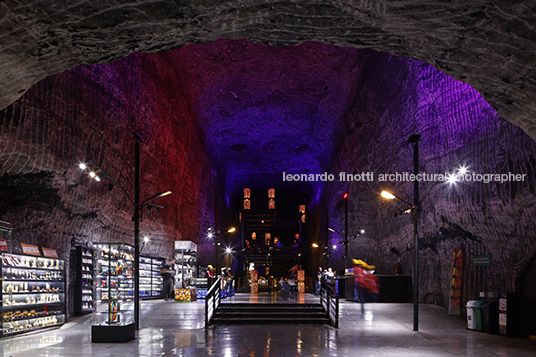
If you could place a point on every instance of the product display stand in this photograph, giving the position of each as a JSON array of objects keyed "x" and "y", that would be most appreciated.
[
  {"x": 33, "y": 293},
  {"x": 84, "y": 297},
  {"x": 185, "y": 271},
  {"x": 114, "y": 293},
  {"x": 151, "y": 284}
]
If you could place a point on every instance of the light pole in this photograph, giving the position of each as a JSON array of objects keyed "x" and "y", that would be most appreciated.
[
  {"x": 136, "y": 217},
  {"x": 345, "y": 196},
  {"x": 415, "y": 210},
  {"x": 216, "y": 234}
]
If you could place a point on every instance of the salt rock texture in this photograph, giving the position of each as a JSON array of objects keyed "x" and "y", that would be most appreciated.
[
  {"x": 488, "y": 44},
  {"x": 459, "y": 129},
  {"x": 213, "y": 121}
]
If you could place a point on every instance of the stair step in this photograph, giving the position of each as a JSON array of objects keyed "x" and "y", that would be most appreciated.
[
  {"x": 270, "y": 315},
  {"x": 237, "y": 320}
]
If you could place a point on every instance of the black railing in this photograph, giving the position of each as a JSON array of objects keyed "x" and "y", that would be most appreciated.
[
  {"x": 212, "y": 301},
  {"x": 330, "y": 302}
]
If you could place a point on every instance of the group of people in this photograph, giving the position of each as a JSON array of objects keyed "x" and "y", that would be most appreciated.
[{"x": 323, "y": 275}]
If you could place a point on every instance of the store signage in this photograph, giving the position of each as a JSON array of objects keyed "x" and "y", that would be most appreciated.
[
  {"x": 481, "y": 260},
  {"x": 30, "y": 249},
  {"x": 185, "y": 244},
  {"x": 3, "y": 244},
  {"x": 51, "y": 253}
]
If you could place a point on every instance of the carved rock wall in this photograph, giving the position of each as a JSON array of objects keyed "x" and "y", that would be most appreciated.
[
  {"x": 488, "y": 44},
  {"x": 458, "y": 129},
  {"x": 90, "y": 113}
]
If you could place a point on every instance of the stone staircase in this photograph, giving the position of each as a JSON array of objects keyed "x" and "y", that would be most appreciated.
[{"x": 270, "y": 313}]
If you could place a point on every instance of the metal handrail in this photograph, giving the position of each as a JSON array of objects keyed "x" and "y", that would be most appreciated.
[
  {"x": 212, "y": 301},
  {"x": 330, "y": 301}
]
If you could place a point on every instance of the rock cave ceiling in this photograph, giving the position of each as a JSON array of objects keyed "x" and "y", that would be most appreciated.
[{"x": 289, "y": 124}]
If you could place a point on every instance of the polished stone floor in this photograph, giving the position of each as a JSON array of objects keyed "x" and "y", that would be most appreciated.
[{"x": 177, "y": 329}]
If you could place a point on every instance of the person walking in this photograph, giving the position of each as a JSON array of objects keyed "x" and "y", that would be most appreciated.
[{"x": 167, "y": 273}]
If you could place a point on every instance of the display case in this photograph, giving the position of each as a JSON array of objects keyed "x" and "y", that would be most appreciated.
[
  {"x": 114, "y": 293},
  {"x": 33, "y": 293},
  {"x": 185, "y": 263},
  {"x": 84, "y": 295},
  {"x": 151, "y": 283}
]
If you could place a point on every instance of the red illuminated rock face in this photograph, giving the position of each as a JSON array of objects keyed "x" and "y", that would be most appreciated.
[{"x": 91, "y": 113}]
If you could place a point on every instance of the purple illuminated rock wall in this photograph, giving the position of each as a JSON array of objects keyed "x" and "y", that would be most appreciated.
[{"x": 402, "y": 97}]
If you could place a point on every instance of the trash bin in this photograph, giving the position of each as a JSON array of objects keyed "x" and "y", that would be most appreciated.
[
  {"x": 490, "y": 316},
  {"x": 471, "y": 322},
  {"x": 478, "y": 314}
]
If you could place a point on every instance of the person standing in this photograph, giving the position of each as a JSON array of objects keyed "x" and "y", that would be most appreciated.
[
  {"x": 229, "y": 281},
  {"x": 167, "y": 273},
  {"x": 318, "y": 282}
]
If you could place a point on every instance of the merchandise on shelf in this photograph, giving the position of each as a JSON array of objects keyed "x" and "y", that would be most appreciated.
[
  {"x": 84, "y": 287},
  {"x": 114, "y": 284},
  {"x": 150, "y": 278},
  {"x": 33, "y": 293},
  {"x": 185, "y": 264}
]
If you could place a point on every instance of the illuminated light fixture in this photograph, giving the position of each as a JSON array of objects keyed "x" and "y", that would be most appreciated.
[
  {"x": 271, "y": 193},
  {"x": 276, "y": 240},
  {"x": 146, "y": 239},
  {"x": 231, "y": 230},
  {"x": 97, "y": 178},
  {"x": 228, "y": 250},
  {"x": 82, "y": 166},
  {"x": 267, "y": 238},
  {"x": 334, "y": 246},
  {"x": 254, "y": 236},
  {"x": 247, "y": 203},
  {"x": 247, "y": 193},
  {"x": 210, "y": 235},
  {"x": 452, "y": 179},
  {"x": 315, "y": 245},
  {"x": 301, "y": 208},
  {"x": 462, "y": 170},
  {"x": 271, "y": 204},
  {"x": 388, "y": 195},
  {"x": 92, "y": 174},
  {"x": 345, "y": 196}
]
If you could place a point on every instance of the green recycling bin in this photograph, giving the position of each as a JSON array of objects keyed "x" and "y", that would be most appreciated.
[{"x": 478, "y": 315}]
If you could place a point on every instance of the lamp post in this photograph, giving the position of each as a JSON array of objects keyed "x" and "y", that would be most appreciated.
[
  {"x": 216, "y": 234},
  {"x": 136, "y": 217},
  {"x": 345, "y": 196},
  {"x": 415, "y": 210}
]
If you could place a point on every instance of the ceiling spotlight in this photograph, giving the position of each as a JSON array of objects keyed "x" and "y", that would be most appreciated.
[
  {"x": 362, "y": 231},
  {"x": 334, "y": 246},
  {"x": 462, "y": 170},
  {"x": 82, "y": 166},
  {"x": 97, "y": 178},
  {"x": 315, "y": 245},
  {"x": 92, "y": 174},
  {"x": 228, "y": 250},
  {"x": 145, "y": 239},
  {"x": 210, "y": 235}
]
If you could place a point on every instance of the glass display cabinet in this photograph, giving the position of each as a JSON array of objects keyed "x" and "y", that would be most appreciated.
[
  {"x": 114, "y": 293},
  {"x": 151, "y": 283},
  {"x": 33, "y": 293},
  {"x": 84, "y": 298},
  {"x": 185, "y": 271}
]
